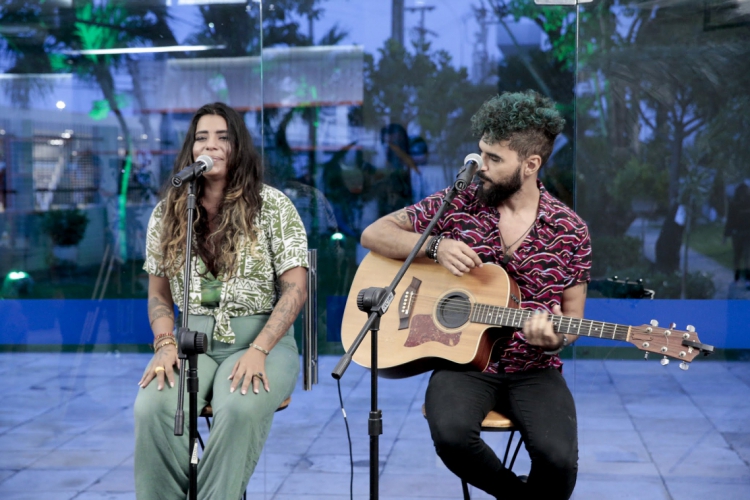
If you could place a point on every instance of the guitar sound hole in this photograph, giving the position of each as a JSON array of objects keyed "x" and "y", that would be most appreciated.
[{"x": 454, "y": 310}]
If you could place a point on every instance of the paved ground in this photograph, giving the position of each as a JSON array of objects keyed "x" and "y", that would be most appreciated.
[{"x": 646, "y": 432}]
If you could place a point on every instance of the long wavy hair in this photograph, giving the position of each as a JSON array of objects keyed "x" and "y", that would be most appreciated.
[{"x": 237, "y": 210}]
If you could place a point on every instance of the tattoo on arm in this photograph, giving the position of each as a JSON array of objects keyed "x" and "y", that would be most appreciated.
[
  {"x": 291, "y": 301},
  {"x": 159, "y": 309},
  {"x": 401, "y": 219}
]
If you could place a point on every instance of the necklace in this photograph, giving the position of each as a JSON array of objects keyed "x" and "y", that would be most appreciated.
[{"x": 507, "y": 254}]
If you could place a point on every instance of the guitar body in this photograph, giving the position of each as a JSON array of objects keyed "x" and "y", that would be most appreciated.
[{"x": 427, "y": 325}]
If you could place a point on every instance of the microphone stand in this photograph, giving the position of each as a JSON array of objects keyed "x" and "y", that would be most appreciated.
[
  {"x": 375, "y": 302},
  {"x": 189, "y": 345}
]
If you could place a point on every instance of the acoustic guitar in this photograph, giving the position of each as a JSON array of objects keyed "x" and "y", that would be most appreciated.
[{"x": 437, "y": 318}]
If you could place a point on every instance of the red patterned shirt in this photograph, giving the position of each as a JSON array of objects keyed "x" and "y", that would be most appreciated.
[{"x": 555, "y": 255}]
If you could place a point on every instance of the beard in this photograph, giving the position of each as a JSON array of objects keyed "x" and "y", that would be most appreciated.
[{"x": 498, "y": 192}]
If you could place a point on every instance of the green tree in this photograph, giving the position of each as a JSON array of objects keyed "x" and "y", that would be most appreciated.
[{"x": 423, "y": 89}]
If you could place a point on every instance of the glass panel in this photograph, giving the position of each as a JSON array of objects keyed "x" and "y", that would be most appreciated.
[
  {"x": 97, "y": 99},
  {"x": 662, "y": 97},
  {"x": 364, "y": 118},
  {"x": 95, "y": 102},
  {"x": 662, "y": 100}
]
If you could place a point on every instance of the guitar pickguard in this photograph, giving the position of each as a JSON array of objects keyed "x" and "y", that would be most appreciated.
[{"x": 422, "y": 330}]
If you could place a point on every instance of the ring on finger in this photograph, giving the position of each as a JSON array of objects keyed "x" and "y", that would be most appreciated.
[{"x": 159, "y": 369}]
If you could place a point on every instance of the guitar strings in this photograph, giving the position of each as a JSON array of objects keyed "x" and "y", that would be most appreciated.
[{"x": 608, "y": 329}]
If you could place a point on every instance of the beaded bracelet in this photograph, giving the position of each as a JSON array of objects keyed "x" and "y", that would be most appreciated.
[
  {"x": 431, "y": 251},
  {"x": 259, "y": 348},
  {"x": 165, "y": 343},
  {"x": 428, "y": 249},
  {"x": 161, "y": 342},
  {"x": 162, "y": 335},
  {"x": 435, "y": 250}
]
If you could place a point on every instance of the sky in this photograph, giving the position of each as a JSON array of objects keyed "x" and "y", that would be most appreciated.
[{"x": 369, "y": 24}]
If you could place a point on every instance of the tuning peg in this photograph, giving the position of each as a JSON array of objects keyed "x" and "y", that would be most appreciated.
[
  {"x": 664, "y": 361},
  {"x": 654, "y": 322},
  {"x": 645, "y": 356},
  {"x": 672, "y": 326},
  {"x": 684, "y": 366},
  {"x": 690, "y": 328}
]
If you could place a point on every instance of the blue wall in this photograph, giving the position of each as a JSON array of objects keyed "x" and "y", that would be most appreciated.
[
  {"x": 74, "y": 322},
  {"x": 722, "y": 323}
]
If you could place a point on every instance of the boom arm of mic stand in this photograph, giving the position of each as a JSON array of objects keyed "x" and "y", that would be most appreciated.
[{"x": 346, "y": 359}]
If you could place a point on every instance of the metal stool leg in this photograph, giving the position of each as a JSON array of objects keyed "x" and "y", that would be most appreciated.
[{"x": 465, "y": 488}]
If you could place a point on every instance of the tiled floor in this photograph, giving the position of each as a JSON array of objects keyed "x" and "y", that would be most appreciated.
[{"x": 646, "y": 432}]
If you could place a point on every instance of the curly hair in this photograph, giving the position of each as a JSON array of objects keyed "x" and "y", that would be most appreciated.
[
  {"x": 237, "y": 211},
  {"x": 527, "y": 120}
]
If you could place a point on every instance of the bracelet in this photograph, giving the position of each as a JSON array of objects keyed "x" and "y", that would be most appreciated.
[
  {"x": 432, "y": 248},
  {"x": 437, "y": 245},
  {"x": 563, "y": 346},
  {"x": 162, "y": 335},
  {"x": 254, "y": 346},
  {"x": 165, "y": 343}
]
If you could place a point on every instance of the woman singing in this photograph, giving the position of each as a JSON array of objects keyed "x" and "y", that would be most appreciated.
[{"x": 247, "y": 286}]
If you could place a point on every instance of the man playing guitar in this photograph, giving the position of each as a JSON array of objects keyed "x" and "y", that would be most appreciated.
[{"x": 508, "y": 219}]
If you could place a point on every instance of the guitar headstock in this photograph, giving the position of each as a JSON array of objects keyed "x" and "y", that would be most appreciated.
[{"x": 668, "y": 342}]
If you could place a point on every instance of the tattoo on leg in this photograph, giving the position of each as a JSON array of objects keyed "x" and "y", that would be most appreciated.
[{"x": 158, "y": 309}]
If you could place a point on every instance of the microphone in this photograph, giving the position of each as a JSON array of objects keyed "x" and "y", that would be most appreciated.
[
  {"x": 472, "y": 163},
  {"x": 203, "y": 164}
]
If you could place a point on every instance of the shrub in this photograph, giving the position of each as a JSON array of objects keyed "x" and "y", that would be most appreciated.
[
  {"x": 65, "y": 227},
  {"x": 611, "y": 254}
]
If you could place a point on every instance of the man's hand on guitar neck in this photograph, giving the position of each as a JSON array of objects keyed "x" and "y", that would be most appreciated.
[
  {"x": 457, "y": 257},
  {"x": 539, "y": 330}
]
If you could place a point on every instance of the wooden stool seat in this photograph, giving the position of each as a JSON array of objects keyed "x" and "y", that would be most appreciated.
[
  {"x": 497, "y": 421},
  {"x": 208, "y": 412},
  {"x": 494, "y": 421}
]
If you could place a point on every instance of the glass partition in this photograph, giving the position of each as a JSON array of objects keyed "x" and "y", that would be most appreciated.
[
  {"x": 360, "y": 108},
  {"x": 97, "y": 97},
  {"x": 364, "y": 118},
  {"x": 662, "y": 95}
]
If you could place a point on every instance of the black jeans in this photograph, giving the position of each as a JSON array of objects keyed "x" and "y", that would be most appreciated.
[{"x": 540, "y": 405}]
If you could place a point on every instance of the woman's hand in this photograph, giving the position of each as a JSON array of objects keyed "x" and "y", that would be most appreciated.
[
  {"x": 539, "y": 330},
  {"x": 251, "y": 366},
  {"x": 163, "y": 362}
]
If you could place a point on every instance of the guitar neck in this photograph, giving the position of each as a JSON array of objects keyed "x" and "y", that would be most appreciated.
[{"x": 515, "y": 318}]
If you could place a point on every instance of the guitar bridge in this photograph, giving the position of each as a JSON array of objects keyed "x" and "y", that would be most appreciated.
[{"x": 406, "y": 303}]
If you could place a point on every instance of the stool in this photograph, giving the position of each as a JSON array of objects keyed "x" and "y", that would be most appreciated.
[
  {"x": 494, "y": 422},
  {"x": 208, "y": 412}
]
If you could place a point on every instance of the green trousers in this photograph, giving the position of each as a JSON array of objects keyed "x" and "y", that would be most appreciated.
[{"x": 240, "y": 426}]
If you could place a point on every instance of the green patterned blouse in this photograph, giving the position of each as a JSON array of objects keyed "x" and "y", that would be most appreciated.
[{"x": 281, "y": 245}]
